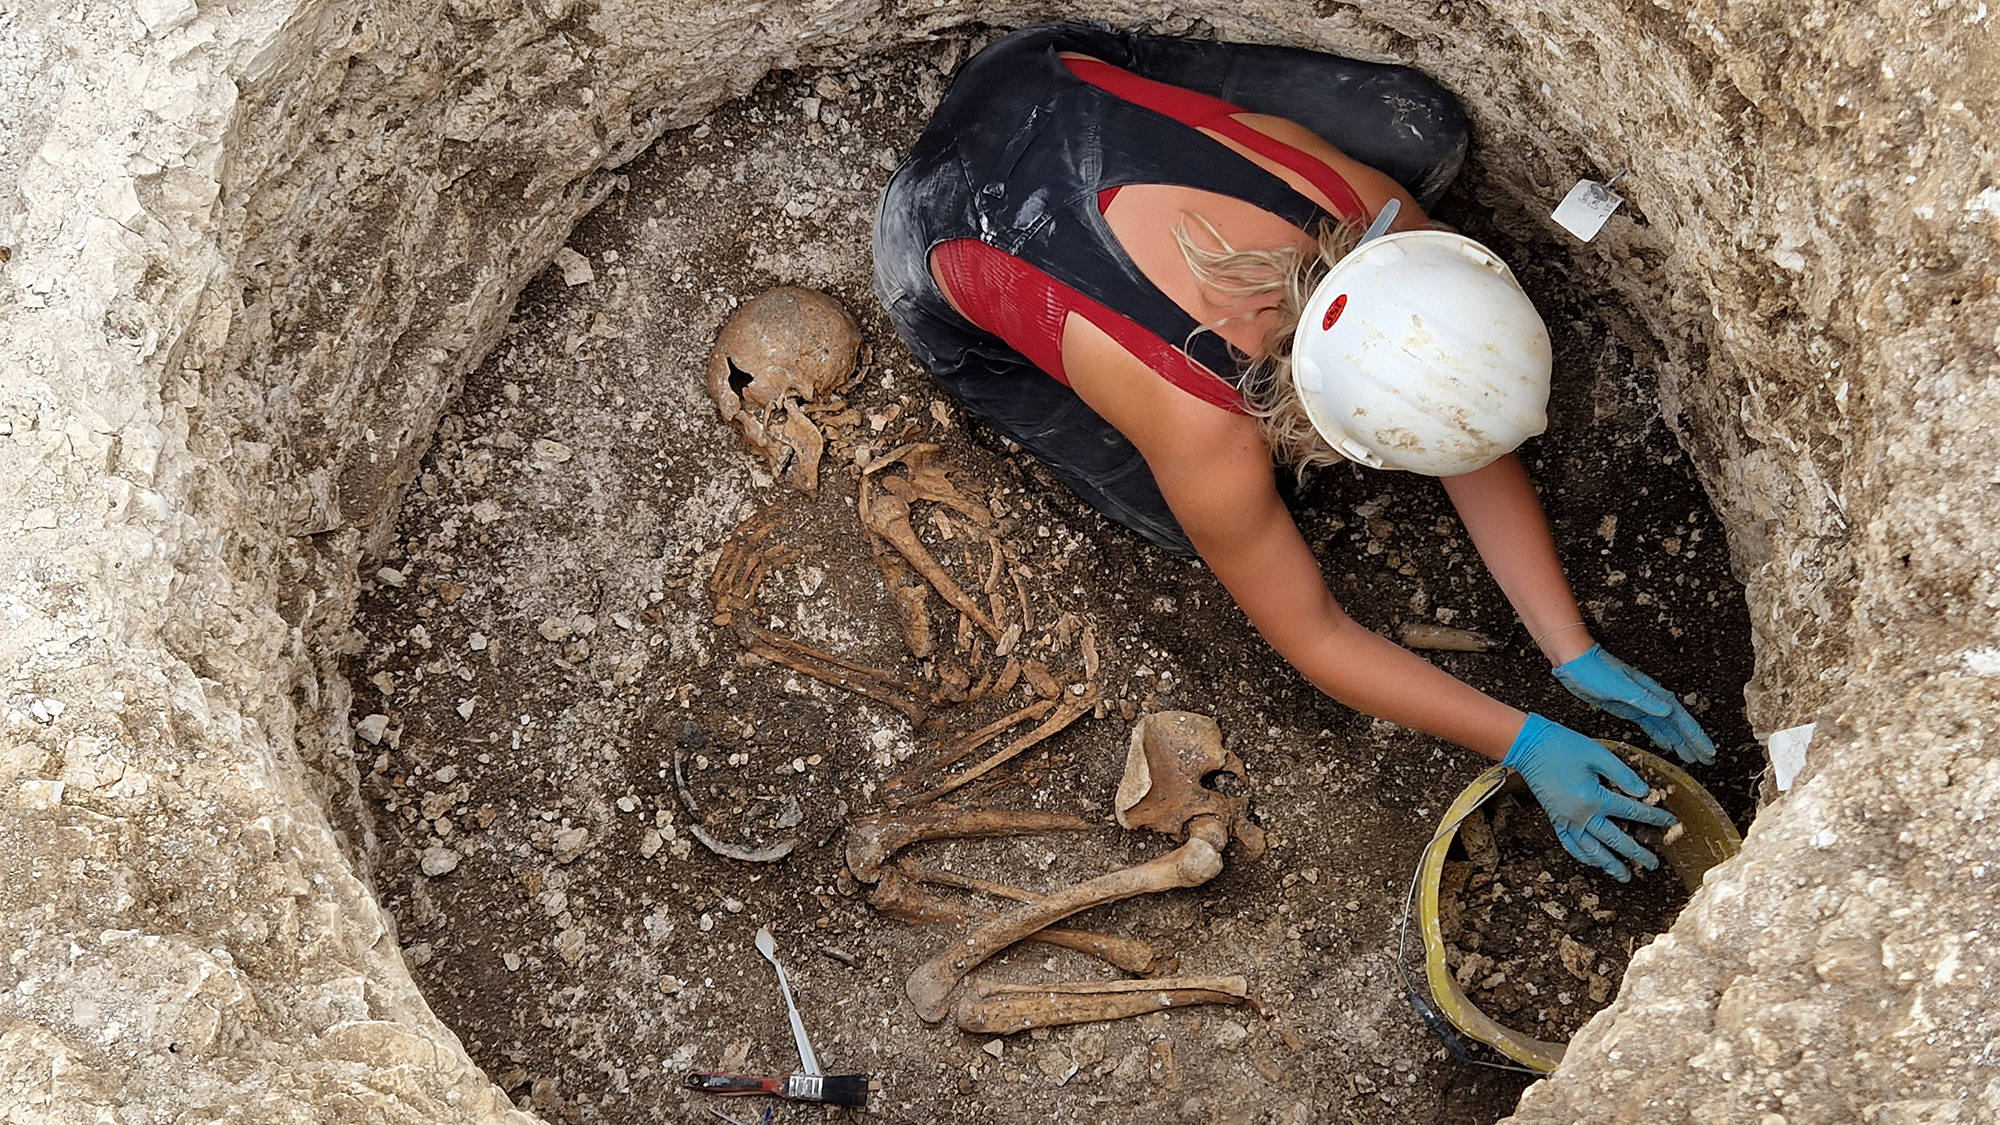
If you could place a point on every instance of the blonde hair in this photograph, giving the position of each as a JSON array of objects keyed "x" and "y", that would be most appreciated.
[{"x": 1288, "y": 274}]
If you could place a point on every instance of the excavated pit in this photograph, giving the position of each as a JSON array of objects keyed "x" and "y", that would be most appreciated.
[
  {"x": 571, "y": 515},
  {"x": 277, "y": 318}
]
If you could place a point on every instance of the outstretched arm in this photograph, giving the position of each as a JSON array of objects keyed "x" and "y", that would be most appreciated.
[
  {"x": 1215, "y": 472},
  {"x": 1504, "y": 517},
  {"x": 1227, "y": 501}
]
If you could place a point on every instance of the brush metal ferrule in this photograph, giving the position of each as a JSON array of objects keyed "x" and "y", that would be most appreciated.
[{"x": 804, "y": 1087}]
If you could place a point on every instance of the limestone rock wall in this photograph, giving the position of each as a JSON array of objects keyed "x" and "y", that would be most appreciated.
[{"x": 251, "y": 253}]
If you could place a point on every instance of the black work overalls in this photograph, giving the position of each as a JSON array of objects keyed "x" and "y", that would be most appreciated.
[{"x": 1015, "y": 156}]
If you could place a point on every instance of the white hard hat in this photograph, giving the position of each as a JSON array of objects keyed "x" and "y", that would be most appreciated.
[{"x": 1419, "y": 351}]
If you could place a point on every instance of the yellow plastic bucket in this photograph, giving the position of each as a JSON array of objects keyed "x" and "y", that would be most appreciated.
[{"x": 1709, "y": 838}]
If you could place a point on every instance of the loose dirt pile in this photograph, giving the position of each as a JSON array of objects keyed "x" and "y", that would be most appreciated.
[
  {"x": 540, "y": 653},
  {"x": 1537, "y": 944}
]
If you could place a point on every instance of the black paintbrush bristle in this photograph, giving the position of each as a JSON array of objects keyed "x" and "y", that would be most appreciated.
[{"x": 833, "y": 1089}]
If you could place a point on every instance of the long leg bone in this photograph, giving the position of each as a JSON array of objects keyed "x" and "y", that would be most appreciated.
[
  {"x": 872, "y": 841},
  {"x": 939, "y": 877},
  {"x": 1129, "y": 954},
  {"x": 991, "y": 1008},
  {"x": 900, "y": 897},
  {"x": 1191, "y": 864}
]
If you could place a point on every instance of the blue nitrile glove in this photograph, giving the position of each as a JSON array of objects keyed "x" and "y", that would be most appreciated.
[
  {"x": 1609, "y": 684},
  {"x": 1567, "y": 774}
]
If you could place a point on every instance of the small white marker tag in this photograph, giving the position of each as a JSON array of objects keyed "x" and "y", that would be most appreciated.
[
  {"x": 1788, "y": 753},
  {"x": 1584, "y": 210}
]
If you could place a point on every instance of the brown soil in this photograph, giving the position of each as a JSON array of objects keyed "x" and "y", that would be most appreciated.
[{"x": 543, "y": 645}]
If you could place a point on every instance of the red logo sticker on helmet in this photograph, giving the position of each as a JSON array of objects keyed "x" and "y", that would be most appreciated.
[{"x": 1333, "y": 312}]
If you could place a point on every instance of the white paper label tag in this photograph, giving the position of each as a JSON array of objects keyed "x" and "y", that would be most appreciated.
[
  {"x": 1788, "y": 753},
  {"x": 1584, "y": 210}
]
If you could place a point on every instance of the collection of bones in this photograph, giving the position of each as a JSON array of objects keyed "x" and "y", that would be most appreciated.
[{"x": 776, "y": 374}]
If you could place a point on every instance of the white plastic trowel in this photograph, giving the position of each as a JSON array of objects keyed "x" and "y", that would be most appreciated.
[{"x": 1380, "y": 226}]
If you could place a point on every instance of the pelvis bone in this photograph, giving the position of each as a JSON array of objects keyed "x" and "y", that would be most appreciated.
[
  {"x": 783, "y": 348},
  {"x": 1171, "y": 757}
]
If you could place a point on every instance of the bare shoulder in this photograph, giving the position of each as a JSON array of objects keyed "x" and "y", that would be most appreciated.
[
  {"x": 1167, "y": 423},
  {"x": 1211, "y": 464}
]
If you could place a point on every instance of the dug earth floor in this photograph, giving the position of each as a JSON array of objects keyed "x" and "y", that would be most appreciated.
[{"x": 541, "y": 644}]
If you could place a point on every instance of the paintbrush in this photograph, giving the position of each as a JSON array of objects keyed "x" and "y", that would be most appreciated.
[
  {"x": 809, "y": 1085},
  {"x": 832, "y": 1089}
]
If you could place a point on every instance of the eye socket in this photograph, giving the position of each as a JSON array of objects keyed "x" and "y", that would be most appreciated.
[
  {"x": 1333, "y": 312},
  {"x": 739, "y": 379}
]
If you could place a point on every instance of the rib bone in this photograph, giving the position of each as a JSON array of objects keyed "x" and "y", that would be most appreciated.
[{"x": 900, "y": 897}]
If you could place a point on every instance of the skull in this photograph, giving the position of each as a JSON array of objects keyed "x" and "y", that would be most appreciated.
[{"x": 785, "y": 347}]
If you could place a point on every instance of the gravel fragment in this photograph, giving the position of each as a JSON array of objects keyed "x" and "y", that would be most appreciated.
[
  {"x": 575, "y": 268},
  {"x": 438, "y": 860},
  {"x": 569, "y": 843}
]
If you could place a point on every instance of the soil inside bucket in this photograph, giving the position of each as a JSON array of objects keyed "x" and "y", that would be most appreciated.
[{"x": 1538, "y": 941}]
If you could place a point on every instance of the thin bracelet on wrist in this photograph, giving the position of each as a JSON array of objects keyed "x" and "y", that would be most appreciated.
[{"x": 1552, "y": 632}]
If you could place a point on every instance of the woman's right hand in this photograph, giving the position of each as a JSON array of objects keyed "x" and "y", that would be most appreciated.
[{"x": 1568, "y": 773}]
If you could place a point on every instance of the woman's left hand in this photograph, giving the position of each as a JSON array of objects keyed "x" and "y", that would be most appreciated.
[{"x": 1609, "y": 684}]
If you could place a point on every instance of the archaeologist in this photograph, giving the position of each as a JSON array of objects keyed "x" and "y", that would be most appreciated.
[{"x": 1125, "y": 254}]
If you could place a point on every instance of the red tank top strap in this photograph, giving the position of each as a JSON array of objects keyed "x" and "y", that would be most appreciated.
[
  {"x": 1200, "y": 111},
  {"x": 1026, "y": 309}
]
